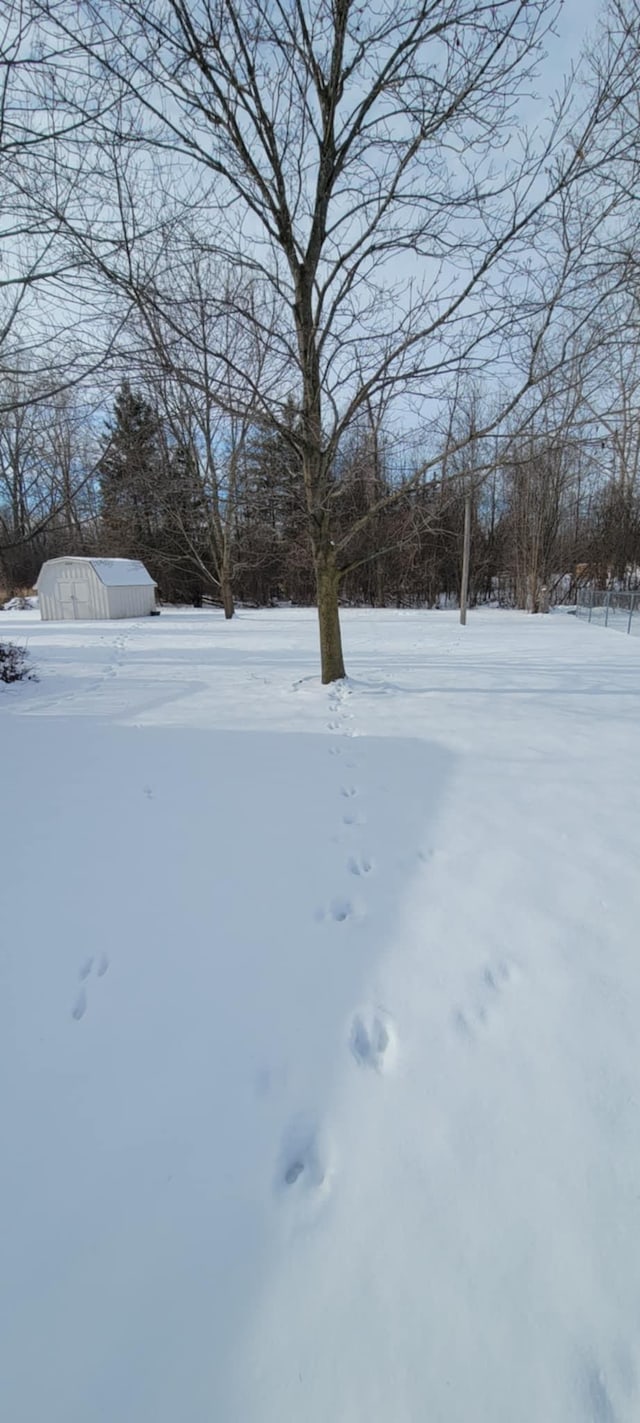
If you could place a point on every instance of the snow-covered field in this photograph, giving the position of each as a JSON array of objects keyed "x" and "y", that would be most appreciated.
[{"x": 319, "y": 1023}]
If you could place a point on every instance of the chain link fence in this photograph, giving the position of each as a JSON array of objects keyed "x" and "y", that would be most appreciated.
[{"x": 610, "y": 609}]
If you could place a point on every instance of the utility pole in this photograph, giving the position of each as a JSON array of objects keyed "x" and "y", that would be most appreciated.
[{"x": 466, "y": 556}]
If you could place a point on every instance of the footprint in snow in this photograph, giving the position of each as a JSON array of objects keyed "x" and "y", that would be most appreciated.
[
  {"x": 339, "y": 910},
  {"x": 370, "y": 1041},
  {"x": 349, "y": 792},
  {"x": 494, "y": 979},
  {"x": 81, "y": 1003},
  {"x": 359, "y": 866},
  {"x": 80, "y": 1006},
  {"x": 354, "y": 820},
  {"x": 462, "y": 1025},
  {"x": 301, "y": 1165},
  {"x": 597, "y": 1399}
]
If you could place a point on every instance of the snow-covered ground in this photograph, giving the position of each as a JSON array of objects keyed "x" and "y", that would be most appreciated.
[
  {"x": 319, "y": 1023},
  {"x": 621, "y": 619}
]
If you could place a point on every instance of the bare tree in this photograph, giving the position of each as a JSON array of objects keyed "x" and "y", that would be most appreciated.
[
  {"x": 26, "y": 247},
  {"x": 48, "y": 457},
  {"x": 189, "y": 340},
  {"x": 35, "y": 261},
  {"x": 354, "y": 169},
  {"x": 202, "y": 510}
]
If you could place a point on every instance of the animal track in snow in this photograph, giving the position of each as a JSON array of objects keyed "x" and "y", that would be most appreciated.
[
  {"x": 361, "y": 866},
  {"x": 339, "y": 910},
  {"x": 461, "y": 1024},
  {"x": 597, "y": 1397},
  {"x": 370, "y": 1041},
  {"x": 351, "y": 820},
  {"x": 301, "y": 1165},
  {"x": 335, "y": 751},
  {"x": 80, "y": 1006},
  {"x": 494, "y": 979},
  {"x": 81, "y": 1003},
  {"x": 609, "y": 1395},
  {"x": 348, "y": 792}
]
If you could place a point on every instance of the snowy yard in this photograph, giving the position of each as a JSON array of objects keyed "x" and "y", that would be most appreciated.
[{"x": 319, "y": 1022}]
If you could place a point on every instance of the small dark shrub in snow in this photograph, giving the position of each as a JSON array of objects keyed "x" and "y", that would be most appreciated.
[{"x": 13, "y": 663}]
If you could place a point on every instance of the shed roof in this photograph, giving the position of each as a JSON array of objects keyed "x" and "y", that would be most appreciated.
[
  {"x": 114, "y": 572},
  {"x": 121, "y": 572}
]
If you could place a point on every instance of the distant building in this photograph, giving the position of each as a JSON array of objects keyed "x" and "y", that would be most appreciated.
[{"x": 79, "y": 588}]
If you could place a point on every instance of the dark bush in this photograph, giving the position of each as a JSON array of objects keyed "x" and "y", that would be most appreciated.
[{"x": 13, "y": 663}]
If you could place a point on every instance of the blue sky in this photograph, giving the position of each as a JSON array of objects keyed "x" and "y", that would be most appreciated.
[{"x": 578, "y": 17}]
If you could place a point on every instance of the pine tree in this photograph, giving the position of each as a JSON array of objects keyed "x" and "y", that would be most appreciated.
[{"x": 132, "y": 473}]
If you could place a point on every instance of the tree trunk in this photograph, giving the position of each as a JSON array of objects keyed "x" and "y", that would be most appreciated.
[
  {"x": 380, "y": 601},
  {"x": 327, "y": 585},
  {"x": 533, "y": 592},
  {"x": 226, "y": 591},
  {"x": 227, "y": 599},
  {"x": 466, "y": 559}
]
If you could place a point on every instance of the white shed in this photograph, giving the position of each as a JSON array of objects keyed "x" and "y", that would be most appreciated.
[{"x": 95, "y": 588}]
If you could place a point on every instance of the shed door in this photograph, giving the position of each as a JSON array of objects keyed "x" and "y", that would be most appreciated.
[{"x": 74, "y": 597}]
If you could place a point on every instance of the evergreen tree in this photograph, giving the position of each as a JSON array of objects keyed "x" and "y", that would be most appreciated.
[{"x": 132, "y": 474}]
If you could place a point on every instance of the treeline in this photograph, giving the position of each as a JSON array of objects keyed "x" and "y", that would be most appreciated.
[{"x": 227, "y": 523}]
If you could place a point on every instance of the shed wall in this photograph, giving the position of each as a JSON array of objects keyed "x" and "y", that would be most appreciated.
[
  {"x": 132, "y": 602},
  {"x": 73, "y": 590}
]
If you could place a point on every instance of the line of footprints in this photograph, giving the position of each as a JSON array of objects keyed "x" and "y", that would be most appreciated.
[
  {"x": 84, "y": 973},
  {"x": 353, "y": 817},
  {"x": 371, "y": 1039}
]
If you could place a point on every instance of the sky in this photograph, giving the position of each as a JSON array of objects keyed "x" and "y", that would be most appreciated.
[{"x": 577, "y": 19}]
